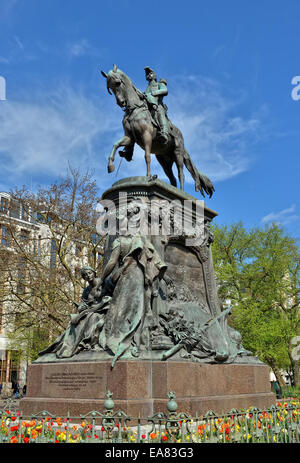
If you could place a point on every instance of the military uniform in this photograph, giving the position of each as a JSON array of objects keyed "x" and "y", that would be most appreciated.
[{"x": 154, "y": 94}]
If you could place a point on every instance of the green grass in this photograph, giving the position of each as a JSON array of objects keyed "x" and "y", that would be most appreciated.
[{"x": 291, "y": 391}]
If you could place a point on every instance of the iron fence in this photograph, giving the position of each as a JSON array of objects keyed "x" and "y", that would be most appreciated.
[{"x": 278, "y": 423}]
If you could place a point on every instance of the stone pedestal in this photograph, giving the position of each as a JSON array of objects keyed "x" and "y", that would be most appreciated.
[
  {"x": 181, "y": 322},
  {"x": 140, "y": 388}
]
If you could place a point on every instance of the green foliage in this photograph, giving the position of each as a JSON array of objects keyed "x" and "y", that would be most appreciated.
[
  {"x": 27, "y": 342},
  {"x": 291, "y": 392},
  {"x": 258, "y": 272}
]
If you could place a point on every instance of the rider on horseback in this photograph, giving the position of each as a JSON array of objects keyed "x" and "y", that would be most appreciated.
[
  {"x": 139, "y": 124},
  {"x": 154, "y": 94}
]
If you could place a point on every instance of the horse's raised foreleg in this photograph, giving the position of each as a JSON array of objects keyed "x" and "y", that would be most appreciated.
[{"x": 124, "y": 141}]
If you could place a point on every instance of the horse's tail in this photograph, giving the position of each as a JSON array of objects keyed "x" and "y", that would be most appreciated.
[{"x": 202, "y": 182}]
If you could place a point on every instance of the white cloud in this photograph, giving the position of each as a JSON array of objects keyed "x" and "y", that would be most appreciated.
[
  {"x": 79, "y": 48},
  {"x": 39, "y": 138},
  {"x": 82, "y": 47},
  {"x": 219, "y": 141},
  {"x": 283, "y": 217}
]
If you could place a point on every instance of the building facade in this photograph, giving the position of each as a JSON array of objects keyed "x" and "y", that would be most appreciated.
[{"x": 31, "y": 232}]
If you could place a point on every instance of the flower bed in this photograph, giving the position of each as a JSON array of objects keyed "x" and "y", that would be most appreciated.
[{"x": 277, "y": 424}]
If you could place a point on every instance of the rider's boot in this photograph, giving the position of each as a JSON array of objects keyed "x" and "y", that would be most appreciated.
[
  {"x": 164, "y": 136},
  {"x": 164, "y": 130}
]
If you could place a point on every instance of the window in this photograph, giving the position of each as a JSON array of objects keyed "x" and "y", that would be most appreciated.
[
  {"x": 24, "y": 238},
  {"x": 24, "y": 235},
  {"x": 37, "y": 247},
  {"x": 14, "y": 209},
  {"x": 4, "y": 235},
  {"x": 24, "y": 212},
  {"x": 4, "y": 205}
]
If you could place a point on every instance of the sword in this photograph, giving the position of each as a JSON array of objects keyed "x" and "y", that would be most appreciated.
[{"x": 119, "y": 167}]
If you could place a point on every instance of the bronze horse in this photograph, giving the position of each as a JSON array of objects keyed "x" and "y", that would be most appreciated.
[{"x": 139, "y": 127}]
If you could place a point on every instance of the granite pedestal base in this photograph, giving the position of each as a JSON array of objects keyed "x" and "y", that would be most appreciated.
[{"x": 140, "y": 388}]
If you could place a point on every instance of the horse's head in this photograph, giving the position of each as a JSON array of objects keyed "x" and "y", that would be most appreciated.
[
  {"x": 122, "y": 87},
  {"x": 116, "y": 82}
]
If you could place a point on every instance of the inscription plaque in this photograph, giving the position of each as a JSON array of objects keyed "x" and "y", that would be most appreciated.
[
  {"x": 73, "y": 381},
  {"x": 69, "y": 381}
]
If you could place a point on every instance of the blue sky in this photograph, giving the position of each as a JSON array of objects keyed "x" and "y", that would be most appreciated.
[{"x": 229, "y": 66}]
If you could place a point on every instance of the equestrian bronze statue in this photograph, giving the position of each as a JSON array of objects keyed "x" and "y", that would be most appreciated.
[{"x": 146, "y": 123}]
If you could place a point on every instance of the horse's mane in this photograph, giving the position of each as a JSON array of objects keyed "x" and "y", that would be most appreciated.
[{"x": 125, "y": 76}]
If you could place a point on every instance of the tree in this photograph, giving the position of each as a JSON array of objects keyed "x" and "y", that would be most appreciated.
[
  {"x": 258, "y": 273},
  {"x": 41, "y": 257}
]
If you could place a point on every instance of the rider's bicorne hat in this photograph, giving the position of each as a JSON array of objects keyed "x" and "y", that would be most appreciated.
[{"x": 148, "y": 70}]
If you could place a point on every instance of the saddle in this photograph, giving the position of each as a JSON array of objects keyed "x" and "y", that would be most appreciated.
[{"x": 127, "y": 152}]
